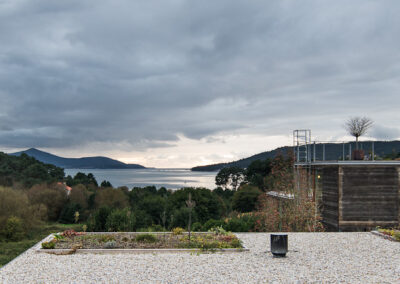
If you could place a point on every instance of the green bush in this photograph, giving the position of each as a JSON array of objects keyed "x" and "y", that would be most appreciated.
[
  {"x": 242, "y": 224},
  {"x": 15, "y": 204},
  {"x": 197, "y": 227},
  {"x": 177, "y": 231},
  {"x": 97, "y": 222},
  {"x": 236, "y": 243},
  {"x": 146, "y": 238},
  {"x": 245, "y": 199},
  {"x": 48, "y": 245},
  {"x": 14, "y": 229},
  {"x": 120, "y": 221},
  {"x": 218, "y": 231},
  {"x": 156, "y": 228},
  {"x": 67, "y": 215},
  {"x": 213, "y": 223}
]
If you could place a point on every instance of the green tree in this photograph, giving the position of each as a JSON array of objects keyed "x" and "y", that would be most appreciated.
[
  {"x": 120, "y": 220},
  {"x": 230, "y": 177},
  {"x": 111, "y": 197},
  {"x": 54, "y": 198},
  {"x": 97, "y": 222},
  {"x": 257, "y": 171},
  {"x": 106, "y": 183},
  {"x": 67, "y": 215},
  {"x": 245, "y": 199}
]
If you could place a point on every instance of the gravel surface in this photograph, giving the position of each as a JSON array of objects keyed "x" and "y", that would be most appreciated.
[{"x": 312, "y": 257}]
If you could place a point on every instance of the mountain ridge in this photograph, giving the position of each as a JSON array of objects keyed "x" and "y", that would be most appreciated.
[
  {"x": 97, "y": 162},
  {"x": 333, "y": 151}
]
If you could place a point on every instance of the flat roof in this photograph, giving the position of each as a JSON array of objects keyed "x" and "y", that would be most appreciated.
[{"x": 350, "y": 163}]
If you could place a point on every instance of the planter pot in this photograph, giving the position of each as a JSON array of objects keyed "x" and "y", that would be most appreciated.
[
  {"x": 279, "y": 244},
  {"x": 358, "y": 155}
]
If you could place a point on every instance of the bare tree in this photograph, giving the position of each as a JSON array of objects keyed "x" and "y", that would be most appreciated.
[
  {"x": 358, "y": 126},
  {"x": 190, "y": 204}
]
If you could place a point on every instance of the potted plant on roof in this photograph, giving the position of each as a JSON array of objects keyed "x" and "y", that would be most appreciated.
[{"x": 358, "y": 126}]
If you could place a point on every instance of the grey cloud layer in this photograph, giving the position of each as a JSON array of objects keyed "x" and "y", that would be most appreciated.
[{"x": 143, "y": 72}]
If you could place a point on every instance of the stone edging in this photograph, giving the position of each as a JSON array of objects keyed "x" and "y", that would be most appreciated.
[
  {"x": 387, "y": 237},
  {"x": 38, "y": 249}
]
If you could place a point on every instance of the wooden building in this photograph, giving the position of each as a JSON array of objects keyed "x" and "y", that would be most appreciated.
[{"x": 358, "y": 195}]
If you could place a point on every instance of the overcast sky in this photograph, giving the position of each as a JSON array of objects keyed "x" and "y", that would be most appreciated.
[{"x": 183, "y": 83}]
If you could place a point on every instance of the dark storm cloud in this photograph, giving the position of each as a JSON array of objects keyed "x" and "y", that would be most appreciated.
[{"x": 144, "y": 72}]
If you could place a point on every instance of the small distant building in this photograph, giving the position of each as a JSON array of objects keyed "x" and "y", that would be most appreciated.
[{"x": 64, "y": 186}]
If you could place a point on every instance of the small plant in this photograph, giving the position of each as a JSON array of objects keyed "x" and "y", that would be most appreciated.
[
  {"x": 177, "y": 231},
  {"x": 396, "y": 236},
  {"x": 110, "y": 245},
  {"x": 76, "y": 216},
  {"x": 391, "y": 232},
  {"x": 218, "y": 231},
  {"x": 58, "y": 237},
  {"x": 84, "y": 228},
  {"x": 146, "y": 238},
  {"x": 48, "y": 245},
  {"x": 236, "y": 243},
  {"x": 106, "y": 238},
  {"x": 71, "y": 233}
]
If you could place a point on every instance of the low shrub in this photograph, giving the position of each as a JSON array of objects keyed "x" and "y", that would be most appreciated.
[
  {"x": 218, "y": 231},
  {"x": 197, "y": 227},
  {"x": 107, "y": 238},
  {"x": 293, "y": 215},
  {"x": 156, "y": 228},
  {"x": 146, "y": 238},
  {"x": 71, "y": 233},
  {"x": 391, "y": 232},
  {"x": 14, "y": 229},
  {"x": 241, "y": 223},
  {"x": 212, "y": 224},
  {"x": 177, "y": 231},
  {"x": 48, "y": 245},
  {"x": 110, "y": 245},
  {"x": 236, "y": 243},
  {"x": 120, "y": 220}
]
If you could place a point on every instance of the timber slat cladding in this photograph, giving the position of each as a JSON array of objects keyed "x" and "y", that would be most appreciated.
[
  {"x": 330, "y": 203},
  {"x": 370, "y": 193},
  {"x": 359, "y": 195}
]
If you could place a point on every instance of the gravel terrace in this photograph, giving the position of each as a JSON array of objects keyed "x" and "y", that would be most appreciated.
[{"x": 312, "y": 257}]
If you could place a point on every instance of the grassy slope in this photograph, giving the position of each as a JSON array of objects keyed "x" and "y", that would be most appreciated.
[{"x": 10, "y": 250}]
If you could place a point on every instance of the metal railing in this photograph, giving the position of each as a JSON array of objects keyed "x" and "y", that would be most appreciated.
[{"x": 336, "y": 151}]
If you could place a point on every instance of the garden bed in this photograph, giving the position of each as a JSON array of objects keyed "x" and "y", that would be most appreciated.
[
  {"x": 135, "y": 242},
  {"x": 389, "y": 234}
]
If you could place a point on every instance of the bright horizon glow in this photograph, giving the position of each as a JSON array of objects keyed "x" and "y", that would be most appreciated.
[{"x": 188, "y": 153}]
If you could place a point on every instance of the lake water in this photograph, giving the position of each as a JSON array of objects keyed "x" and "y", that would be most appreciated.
[{"x": 169, "y": 178}]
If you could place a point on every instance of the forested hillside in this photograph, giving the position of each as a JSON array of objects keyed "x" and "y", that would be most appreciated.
[
  {"x": 333, "y": 151},
  {"x": 27, "y": 171},
  {"x": 77, "y": 163}
]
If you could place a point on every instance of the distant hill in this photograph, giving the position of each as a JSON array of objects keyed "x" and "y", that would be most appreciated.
[
  {"x": 333, "y": 151},
  {"x": 78, "y": 163}
]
